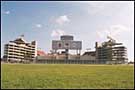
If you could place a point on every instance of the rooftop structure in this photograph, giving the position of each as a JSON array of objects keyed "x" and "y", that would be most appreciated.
[{"x": 67, "y": 37}]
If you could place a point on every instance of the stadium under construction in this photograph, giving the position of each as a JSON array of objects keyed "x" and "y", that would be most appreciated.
[{"x": 109, "y": 52}]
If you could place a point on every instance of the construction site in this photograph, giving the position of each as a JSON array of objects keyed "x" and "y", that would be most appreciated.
[{"x": 108, "y": 52}]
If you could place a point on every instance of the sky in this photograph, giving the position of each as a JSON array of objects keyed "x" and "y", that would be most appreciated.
[{"x": 87, "y": 21}]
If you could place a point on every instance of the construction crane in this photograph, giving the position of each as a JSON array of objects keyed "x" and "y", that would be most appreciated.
[{"x": 112, "y": 41}]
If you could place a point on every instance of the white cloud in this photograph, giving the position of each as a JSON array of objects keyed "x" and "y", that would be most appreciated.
[
  {"x": 105, "y": 8},
  {"x": 100, "y": 34},
  {"x": 113, "y": 31},
  {"x": 97, "y": 4},
  {"x": 57, "y": 32},
  {"x": 117, "y": 29},
  {"x": 95, "y": 7},
  {"x": 62, "y": 19},
  {"x": 38, "y": 25},
  {"x": 6, "y": 12}
]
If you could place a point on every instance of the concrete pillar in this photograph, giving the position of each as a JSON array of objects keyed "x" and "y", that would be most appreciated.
[{"x": 66, "y": 50}]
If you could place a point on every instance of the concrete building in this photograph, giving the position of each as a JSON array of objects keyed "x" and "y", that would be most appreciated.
[
  {"x": 20, "y": 50},
  {"x": 67, "y": 43},
  {"x": 111, "y": 52},
  {"x": 108, "y": 52}
]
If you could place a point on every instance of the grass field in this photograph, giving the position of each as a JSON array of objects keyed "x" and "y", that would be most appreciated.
[{"x": 67, "y": 76}]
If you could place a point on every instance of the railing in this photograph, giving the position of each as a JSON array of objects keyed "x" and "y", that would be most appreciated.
[{"x": 69, "y": 61}]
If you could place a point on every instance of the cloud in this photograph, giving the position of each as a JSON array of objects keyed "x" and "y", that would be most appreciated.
[
  {"x": 99, "y": 34},
  {"x": 97, "y": 4},
  {"x": 38, "y": 25},
  {"x": 57, "y": 32},
  {"x": 117, "y": 29},
  {"x": 113, "y": 31},
  {"x": 62, "y": 19},
  {"x": 95, "y": 7},
  {"x": 6, "y": 12}
]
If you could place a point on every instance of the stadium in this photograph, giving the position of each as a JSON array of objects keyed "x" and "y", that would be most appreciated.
[{"x": 109, "y": 52}]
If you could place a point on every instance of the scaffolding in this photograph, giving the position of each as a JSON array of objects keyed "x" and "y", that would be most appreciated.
[{"x": 111, "y": 52}]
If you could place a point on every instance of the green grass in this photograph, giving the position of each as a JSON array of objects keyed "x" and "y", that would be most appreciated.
[{"x": 67, "y": 76}]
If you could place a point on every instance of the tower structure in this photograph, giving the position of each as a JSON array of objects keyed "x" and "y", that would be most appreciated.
[{"x": 67, "y": 43}]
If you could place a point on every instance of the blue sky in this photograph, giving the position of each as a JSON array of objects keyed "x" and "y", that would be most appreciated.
[{"x": 88, "y": 21}]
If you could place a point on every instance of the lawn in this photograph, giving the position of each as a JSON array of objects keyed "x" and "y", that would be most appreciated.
[{"x": 69, "y": 76}]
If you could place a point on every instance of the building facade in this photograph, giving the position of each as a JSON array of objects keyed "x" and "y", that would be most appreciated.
[
  {"x": 19, "y": 50},
  {"x": 111, "y": 52}
]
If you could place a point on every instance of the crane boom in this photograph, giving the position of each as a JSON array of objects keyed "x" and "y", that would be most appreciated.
[{"x": 111, "y": 39}]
